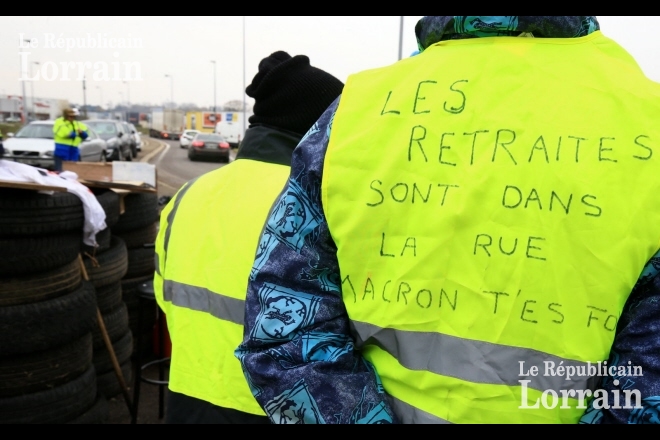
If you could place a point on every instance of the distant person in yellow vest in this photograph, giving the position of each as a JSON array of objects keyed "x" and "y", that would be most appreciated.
[
  {"x": 68, "y": 134},
  {"x": 208, "y": 238},
  {"x": 471, "y": 237}
]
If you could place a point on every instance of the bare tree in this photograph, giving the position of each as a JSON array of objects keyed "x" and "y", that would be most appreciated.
[
  {"x": 189, "y": 106},
  {"x": 236, "y": 105}
]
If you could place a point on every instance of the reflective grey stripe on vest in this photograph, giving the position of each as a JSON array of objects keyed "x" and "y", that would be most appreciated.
[
  {"x": 203, "y": 300},
  {"x": 186, "y": 186},
  {"x": 193, "y": 297},
  {"x": 411, "y": 415},
  {"x": 170, "y": 217},
  {"x": 469, "y": 360}
]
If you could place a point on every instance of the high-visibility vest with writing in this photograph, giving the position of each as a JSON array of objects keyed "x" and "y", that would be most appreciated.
[
  {"x": 493, "y": 202},
  {"x": 205, "y": 250}
]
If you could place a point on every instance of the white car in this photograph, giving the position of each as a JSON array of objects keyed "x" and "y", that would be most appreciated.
[
  {"x": 186, "y": 137},
  {"x": 34, "y": 145}
]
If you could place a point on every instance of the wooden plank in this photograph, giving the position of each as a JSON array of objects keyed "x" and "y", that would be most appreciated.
[
  {"x": 32, "y": 186},
  {"x": 119, "y": 185},
  {"x": 90, "y": 170},
  {"x": 102, "y": 175}
]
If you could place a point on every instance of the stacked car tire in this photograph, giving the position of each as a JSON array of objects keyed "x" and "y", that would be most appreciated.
[
  {"x": 47, "y": 313},
  {"x": 138, "y": 227},
  {"x": 54, "y": 363}
]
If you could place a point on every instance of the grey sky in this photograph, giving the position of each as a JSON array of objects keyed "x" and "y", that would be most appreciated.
[{"x": 183, "y": 47}]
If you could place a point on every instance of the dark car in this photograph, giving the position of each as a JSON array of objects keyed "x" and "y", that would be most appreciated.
[
  {"x": 209, "y": 146},
  {"x": 116, "y": 136}
]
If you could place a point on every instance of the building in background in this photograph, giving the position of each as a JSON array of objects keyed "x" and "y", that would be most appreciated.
[
  {"x": 232, "y": 126},
  {"x": 11, "y": 108},
  {"x": 202, "y": 121}
]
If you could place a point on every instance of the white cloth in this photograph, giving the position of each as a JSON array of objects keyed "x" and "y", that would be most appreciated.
[{"x": 94, "y": 213}]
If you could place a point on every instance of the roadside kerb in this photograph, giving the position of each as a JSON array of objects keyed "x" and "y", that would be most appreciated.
[{"x": 155, "y": 146}]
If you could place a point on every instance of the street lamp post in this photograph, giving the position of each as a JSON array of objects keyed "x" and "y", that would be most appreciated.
[
  {"x": 34, "y": 113},
  {"x": 400, "y": 37},
  {"x": 24, "y": 109},
  {"x": 244, "y": 109},
  {"x": 214, "y": 87},
  {"x": 128, "y": 99},
  {"x": 171, "y": 88},
  {"x": 101, "y": 95},
  {"x": 84, "y": 97},
  {"x": 128, "y": 94}
]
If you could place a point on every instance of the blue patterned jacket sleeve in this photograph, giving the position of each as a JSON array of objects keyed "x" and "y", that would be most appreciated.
[
  {"x": 297, "y": 354},
  {"x": 637, "y": 343}
]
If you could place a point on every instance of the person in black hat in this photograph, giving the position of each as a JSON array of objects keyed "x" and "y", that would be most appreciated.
[{"x": 208, "y": 238}]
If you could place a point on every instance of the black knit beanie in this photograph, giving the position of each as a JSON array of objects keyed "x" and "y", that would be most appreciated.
[{"x": 291, "y": 94}]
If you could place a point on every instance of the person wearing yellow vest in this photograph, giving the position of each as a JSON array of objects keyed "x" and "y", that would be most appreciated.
[
  {"x": 208, "y": 238},
  {"x": 475, "y": 241},
  {"x": 68, "y": 133}
]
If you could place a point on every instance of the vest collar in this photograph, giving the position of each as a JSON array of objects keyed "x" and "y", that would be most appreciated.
[{"x": 268, "y": 144}]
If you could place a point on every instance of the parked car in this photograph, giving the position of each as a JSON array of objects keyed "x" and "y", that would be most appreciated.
[
  {"x": 187, "y": 137},
  {"x": 13, "y": 119},
  {"x": 209, "y": 145},
  {"x": 131, "y": 138},
  {"x": 34, "y": 145},
  {"x": 116, "y": 136},
  {"x": 138, "y": 138}
]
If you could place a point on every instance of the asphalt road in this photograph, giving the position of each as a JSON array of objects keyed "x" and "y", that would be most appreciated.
[{"x": 172, "y": 164}]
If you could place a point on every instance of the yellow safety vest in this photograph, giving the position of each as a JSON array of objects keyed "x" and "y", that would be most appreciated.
[
  {"x": 63, "y": 128},
  {"x": 205, "y": 249},
  {"x": 493, "y": 202}
]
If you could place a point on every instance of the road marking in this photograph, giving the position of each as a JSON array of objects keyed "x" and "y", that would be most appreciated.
[
  {"x": 161, "y": 183},
  {"x": 156, "y": 151},
  {"x": 164, "y": 152}
]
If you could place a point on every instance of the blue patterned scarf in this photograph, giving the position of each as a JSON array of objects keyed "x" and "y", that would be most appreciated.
[{"x": 430, "y": 30}]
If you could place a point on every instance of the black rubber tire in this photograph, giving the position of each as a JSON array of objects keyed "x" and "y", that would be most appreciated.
[
  {"x": 108, "y": 298},
  {"x": 27, "y": 212},
  {"x": 116, "y": 324},
  {"x": 110, "y": 202},
  {"x": 43, "y": 370},
  {"x": 38, "y": 326},
  {"x": 140, "y": 210},
  {"x": 43, "y": 286},
  {"x": 108, "y": 384},
  {"x": 98, "y": 414},
  {"x": 123, "y": 348},
  {"x": 137, "y": 238},
  {"x": 109, "y": 266},
  {"x": 141, "y": 262},
  {"x": 103, "y": 239},
  {"x": 130, "y": 297},
  {"x": 21, "y": 255},
  {"x": 57, "y": 405}
]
